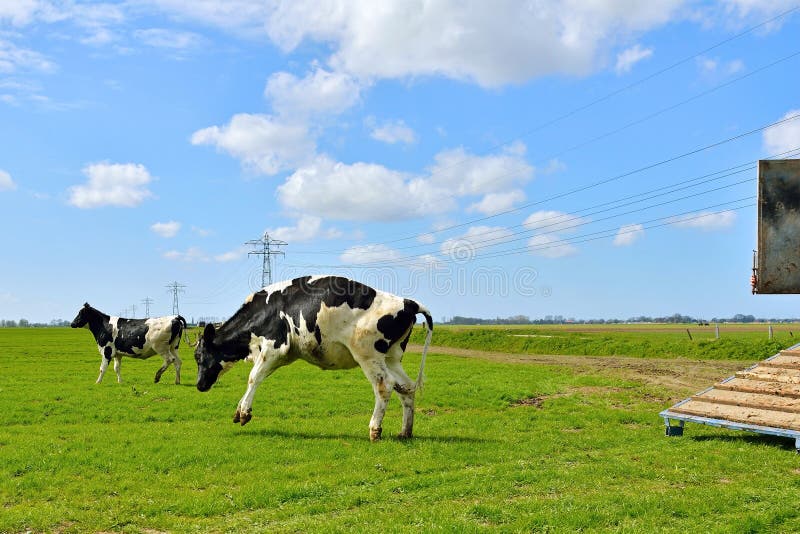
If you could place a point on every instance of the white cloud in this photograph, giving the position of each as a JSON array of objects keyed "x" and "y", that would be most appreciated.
[
  {"x": 494, "y": 203},
  {"x": 242, "y": 16},
  {"x": 486, "y": 42},
  {"x": 630, "y": 57},
  {"x": 391, "y": 132},
  {"x": 169, "y": 38},
  {"x": 231, "y": 255},
  {"x": 783, "y": 137},
  {"x": 548, "y": 246},
  {"x": 369, "y": 254},
  {"x": 468, "y": 174},
  {"x": 320, "y": 92},
  {"x": 198, "y": 255},
  {"x": 628, "y": 235},
  {"x": 308, "y": 227},
  {"x": 467, "y": 245},
  {"x": 706, "y": 221},
  {"x": 361, "y": 192},
  {"x": 112, "y": 184},
  {"x": 711, "y": 66},
  {"x": 166, "y": 229},
  {"x": 13, "y": 59},
  {"x": 190, "y": 255},
  {"x": 553, "y": 221},
  {"x": 202, "y": 232},
  {"x": 553, "y": 166},
  {"x": 6, "y": 183},
  {"x": 426, "y": 239},
  {"x": 263, "y": 143}
]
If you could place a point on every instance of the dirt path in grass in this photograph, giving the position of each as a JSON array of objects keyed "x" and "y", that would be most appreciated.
[{"x": 684, "y": 377}]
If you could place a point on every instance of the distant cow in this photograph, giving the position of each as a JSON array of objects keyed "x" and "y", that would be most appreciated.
[
  {"x": 328, "y": 321},
  {"x": 138, "y": 338}
]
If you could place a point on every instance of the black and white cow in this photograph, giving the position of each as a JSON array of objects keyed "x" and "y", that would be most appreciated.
[
  {"x": 138, "y": 338},
  {"x": 328, "y": 321}
]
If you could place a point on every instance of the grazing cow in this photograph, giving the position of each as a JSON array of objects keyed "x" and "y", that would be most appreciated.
[
  {"x": 328, "y": 321},
  {"x": 138, "y": 338}
]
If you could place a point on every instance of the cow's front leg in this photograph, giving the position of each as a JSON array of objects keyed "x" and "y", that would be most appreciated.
[
  {"x": 106, "y": 353},
  {"x": 267, "y": 360},
  {"x": 117, "y": 364}
]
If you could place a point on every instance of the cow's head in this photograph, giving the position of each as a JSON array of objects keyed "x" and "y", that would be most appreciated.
[
  {"x": 82, "y": 318},
  {"x": 209, "y": 359}
]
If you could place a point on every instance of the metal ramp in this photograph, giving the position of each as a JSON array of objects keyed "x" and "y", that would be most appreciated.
[{"x": 764, "y": 398}]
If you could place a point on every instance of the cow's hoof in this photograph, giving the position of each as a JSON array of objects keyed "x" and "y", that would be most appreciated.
[
  {"x": 404, "y": 435},
  {"x": 245, "y": 417},
  {"x": 236, "y": 416},
  {"x": 156, "y": 379},
  {"x": 375, "y": 434}
]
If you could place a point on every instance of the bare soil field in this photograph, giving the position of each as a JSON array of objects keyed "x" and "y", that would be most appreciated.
[{"x": 683, "y": 377}]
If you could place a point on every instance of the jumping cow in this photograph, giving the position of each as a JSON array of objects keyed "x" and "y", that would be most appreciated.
[
  {"x": 138, "y": 338},
  {"x": 328, "y": 321}
]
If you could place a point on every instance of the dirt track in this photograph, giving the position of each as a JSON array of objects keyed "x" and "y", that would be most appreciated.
[{"x": 683, "y": 377}]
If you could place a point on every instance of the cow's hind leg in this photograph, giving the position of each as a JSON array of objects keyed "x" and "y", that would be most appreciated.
[
  {"x": 176, "y": 361},
  {"x": 406, "y": 390},
  {"x": 117, "y": 364},
  {"x": 382, "y": 382},
  {"x": 167, "y": 361}
]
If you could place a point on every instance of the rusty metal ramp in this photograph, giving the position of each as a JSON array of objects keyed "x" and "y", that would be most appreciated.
[{"x": 764, "y": 398}]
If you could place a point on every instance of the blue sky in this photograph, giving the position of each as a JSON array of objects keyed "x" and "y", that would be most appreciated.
[{"x": 488, "y": 159}]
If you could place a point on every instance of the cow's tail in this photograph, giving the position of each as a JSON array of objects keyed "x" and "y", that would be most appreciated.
[
  {"x": 429, "y": 327},
  {"x": 178, "y": 328}
]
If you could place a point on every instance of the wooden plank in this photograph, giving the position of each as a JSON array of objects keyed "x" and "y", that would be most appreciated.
[
  {"x": 760, "y": 386},
  {"x": 737, "y": 414},
  {"x": 750, "y": 400},
  {"x": 784, "y": 361},
  {"x": 785, "y": 376},
  {"x": 788, "y": 352}
]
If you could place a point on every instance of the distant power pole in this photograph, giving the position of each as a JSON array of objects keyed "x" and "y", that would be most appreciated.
[
  {"x": 175, "y": 288},
  {"x": 133, "y": 311},
  {"x": 267, "y": 248},
  {"x": 147, "y": 301}
]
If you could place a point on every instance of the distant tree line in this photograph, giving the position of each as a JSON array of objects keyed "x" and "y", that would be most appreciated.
[
  {"x": 676, "y": 318},
  {"x": 24, "y": 323}
]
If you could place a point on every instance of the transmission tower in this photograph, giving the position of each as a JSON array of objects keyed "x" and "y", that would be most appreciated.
[
  {"x": 147, "y": 301},
  {"x": 265, "y": 249},
  {"x": 175, "y": 288}
]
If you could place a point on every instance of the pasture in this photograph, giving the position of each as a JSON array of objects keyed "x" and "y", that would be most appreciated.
[{"x": 507, "y": 438}]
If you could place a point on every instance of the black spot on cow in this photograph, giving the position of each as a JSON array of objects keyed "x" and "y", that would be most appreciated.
[
  {"x": 107, "y": 353},
  {"x": 130, "y": 335},
  {"x": 318, "y": 335},
  {"x": 304, "y": 297},
  {"x": 261, "y": 315},
  {"x": 397, "y": 327},
  {"x": 176, "y": 329}
]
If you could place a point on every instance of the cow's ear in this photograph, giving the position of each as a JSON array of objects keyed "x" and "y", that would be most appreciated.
[
  {"x": 86, "y": 305},
  {"x": 209, "y": 333}
]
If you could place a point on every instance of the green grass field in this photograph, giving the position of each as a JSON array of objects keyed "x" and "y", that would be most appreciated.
[{"x": 509, "y": 447}]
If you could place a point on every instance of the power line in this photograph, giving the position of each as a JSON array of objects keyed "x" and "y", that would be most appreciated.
[
  {"x": 606, "y": 180},
  {"x": 175, "y": 288},
  {"x": 560, "y": 218},
  {"x": 640, "y": 81},
  {"x": 268, "y": 248}
]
